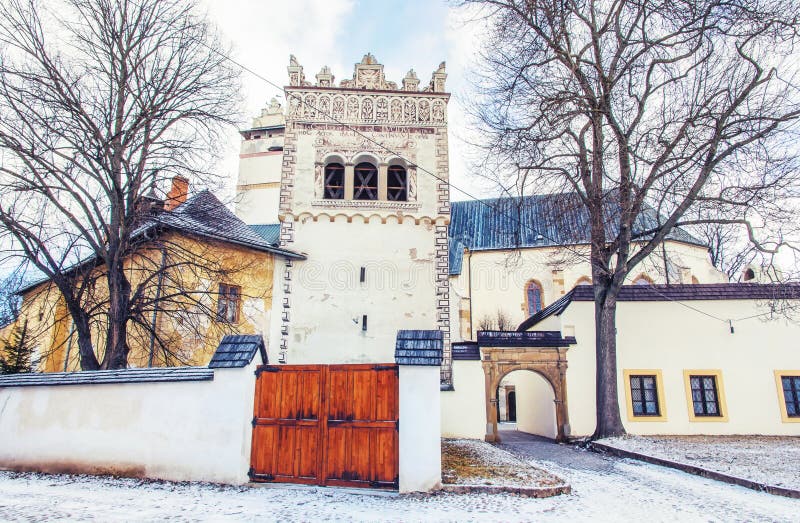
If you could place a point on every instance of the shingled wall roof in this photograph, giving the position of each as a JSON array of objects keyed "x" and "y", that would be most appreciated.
[{"x": 680, "y": 292}]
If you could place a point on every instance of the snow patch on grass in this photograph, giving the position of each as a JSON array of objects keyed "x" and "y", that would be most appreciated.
[
  {"x": 771, "y": 460},
  {"x": 473, "y": 462}
]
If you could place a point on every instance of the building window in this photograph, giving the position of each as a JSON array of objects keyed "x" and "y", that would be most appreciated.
[
  {"x": 705, "y": 395},
  {"x": 644, "y": 395},
  {"x": 228, "y": 303},
  {"x": 583, "y": 280},
  {"x": 534, "y": 297},
  {"x": 334, "y": 181},
  {"x": 396, "y": 184},
  {"x": 789, "y": 390},
  {"x": 365, "y": 186},
  {"x": 642, "y": 279}
]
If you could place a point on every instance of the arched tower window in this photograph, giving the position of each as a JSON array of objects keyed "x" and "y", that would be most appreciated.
[
  {"x": 534, "y": 296},
  {"x": 334, "y": 181},
  {"x": 749, "y": 274},
  {"x": 365, "y": 182},
  {"x": 583, "y": 280},
  {"x": 642, "y": 279},
  {"x": 397, "y": 183}
]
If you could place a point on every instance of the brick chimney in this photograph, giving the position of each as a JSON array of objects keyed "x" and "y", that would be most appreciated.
[{"x": 177, "y": 194}]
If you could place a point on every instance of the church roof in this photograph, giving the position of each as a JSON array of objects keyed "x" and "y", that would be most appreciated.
[
  {"x": 541, "y": 220},
  {"x": 678, "y": 292},
  {"x": 269, "y": 232}
]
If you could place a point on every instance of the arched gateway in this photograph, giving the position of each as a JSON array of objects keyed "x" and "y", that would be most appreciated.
[{"x": 543, "y": 352}]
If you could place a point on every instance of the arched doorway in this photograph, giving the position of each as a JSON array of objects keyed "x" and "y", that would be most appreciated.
[
  {"x": 549, "y": 363},
  {"x": 530, "y": 405},
  {"x": 512, "y": 406}
]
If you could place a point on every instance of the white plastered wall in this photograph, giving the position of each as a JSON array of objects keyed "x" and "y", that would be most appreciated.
[
  {"x": 669, "y": 337},
  {"x": 464, "y": 407},
  {"x": 499, "y": 277},
  {"x": 420, "y": 429},
  {"x": 179, "y": 431},
  {"x": 328, "y": 300}
]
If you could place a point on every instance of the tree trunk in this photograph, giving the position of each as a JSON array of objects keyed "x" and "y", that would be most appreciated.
[
  {"x": 84, "y": 334},
  {"x": 609, "y": 421},
  {"x": 116, "y": 356}
]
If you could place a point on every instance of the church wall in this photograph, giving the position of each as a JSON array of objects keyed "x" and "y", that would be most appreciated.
[
  {"x": 499, "y": 278},
  {"x": 670, "y": 338},
  {"x": 464, "y": 407}
]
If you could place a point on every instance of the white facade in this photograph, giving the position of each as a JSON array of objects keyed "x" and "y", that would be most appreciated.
[
  {"x": 666, "y": 339},
  {"x": 260, "y": 162},
  {"x": 377, "y": 258}
]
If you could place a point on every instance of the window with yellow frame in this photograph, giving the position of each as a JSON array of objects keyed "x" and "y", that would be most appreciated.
[
  {"x": 705, "y": 395},
  {"x": 788, "y": 383},
  {"x": 644, "y": 395}
]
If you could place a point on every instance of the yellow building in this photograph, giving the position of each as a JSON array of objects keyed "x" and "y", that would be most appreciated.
[{"x": 200, "y": 271}]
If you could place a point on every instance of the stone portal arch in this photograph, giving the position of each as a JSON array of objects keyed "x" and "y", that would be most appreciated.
[{"x": 548, "y": 362}]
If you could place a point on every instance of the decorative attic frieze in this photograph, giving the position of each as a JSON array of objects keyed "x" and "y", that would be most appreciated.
[{"x": 368, "y": 74}]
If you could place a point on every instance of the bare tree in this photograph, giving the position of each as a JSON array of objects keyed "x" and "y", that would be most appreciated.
[
  {"x": 653, "y": 115},
  {"x": 100, "y": 101},
  {"x": 504, "y": 321}
]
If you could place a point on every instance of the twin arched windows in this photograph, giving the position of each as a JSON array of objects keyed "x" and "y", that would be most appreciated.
[{"x": 368, "y": 182}]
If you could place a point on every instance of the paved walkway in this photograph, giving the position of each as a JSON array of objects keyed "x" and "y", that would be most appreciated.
[
  {"x": 638, "y": 491},
  {"x": 604, "y": 489}
]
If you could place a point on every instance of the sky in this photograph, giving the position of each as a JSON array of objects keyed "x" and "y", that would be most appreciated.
[{"x": 401, "y": 34}]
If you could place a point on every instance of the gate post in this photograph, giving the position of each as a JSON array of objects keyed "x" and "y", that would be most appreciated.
[{"x": 419, "y": 356}]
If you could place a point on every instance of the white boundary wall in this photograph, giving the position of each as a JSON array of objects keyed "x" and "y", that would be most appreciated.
[
  {"x": 180, "y": 431},
  {"x": 420, "y": 429}
]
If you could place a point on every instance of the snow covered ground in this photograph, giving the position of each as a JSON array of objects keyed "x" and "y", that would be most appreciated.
[
  {"x": 765, "y": 459},
  {"x": 604, "y": 489}
]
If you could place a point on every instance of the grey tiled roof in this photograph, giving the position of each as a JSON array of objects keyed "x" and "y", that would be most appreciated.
[
  {"x": 203, "y": 216},
  {"x": 269, "y": 232},
  {"x": 96, "y": 377},
  {"x": 678, "y": 292},
  {"x": 540, "y": 220},
  {"x": 238, "y": 350},
  {"x": 419, "y": 347},
  {"x": 465, "y": 350}
]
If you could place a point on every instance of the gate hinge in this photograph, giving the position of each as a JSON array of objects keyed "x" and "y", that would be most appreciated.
[
  {"x": 260, "y": 477},
  {"x": 397, "y": 425},
  {"x": 255, "y": 420}
]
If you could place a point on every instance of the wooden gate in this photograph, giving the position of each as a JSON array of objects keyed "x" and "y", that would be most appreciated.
[{"x": 326, "y": 425}]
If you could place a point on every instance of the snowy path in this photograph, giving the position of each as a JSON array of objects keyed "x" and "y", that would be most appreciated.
[{"x": 605, "y": 489}]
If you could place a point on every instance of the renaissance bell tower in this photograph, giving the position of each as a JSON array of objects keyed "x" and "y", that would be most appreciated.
[{"x": 364, "y": 192}]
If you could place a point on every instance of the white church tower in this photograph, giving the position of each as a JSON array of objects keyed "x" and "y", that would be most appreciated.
[
  {"x": 354, "y": 197},
  {"x": 260, "y": 161}
]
